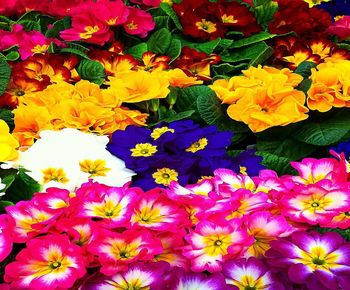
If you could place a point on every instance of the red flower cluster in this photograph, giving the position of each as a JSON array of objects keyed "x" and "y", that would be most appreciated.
[
  {"x": 36, "y": 73},
  {"x": 209, "y": 20},
  {"x": 295, "y": 15},
  {"x": 195, "y": 63},
  {"x": 292, "y": 51}
]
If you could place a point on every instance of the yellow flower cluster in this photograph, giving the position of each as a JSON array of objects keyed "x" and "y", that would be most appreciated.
[
  {"x": 8, "y": 143},
  {"x": 263, "y": 97},
  {"x": 330, "y": 86},
  {"x": 313, "y": 3},
  {"x": 83, "y": 106}
]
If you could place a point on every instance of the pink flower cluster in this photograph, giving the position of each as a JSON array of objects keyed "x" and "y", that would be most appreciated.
[
  {"x": 92, "y": 22},
  {"x": 225, "y": 225}
]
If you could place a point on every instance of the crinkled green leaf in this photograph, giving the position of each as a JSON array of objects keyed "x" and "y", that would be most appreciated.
[
  {"x": 137, "y": 50},
  {"x": 5, "y": 73},
  {"x": 169, "y": 11},
  {"x": 92, "y": 71},
  {"x": 277, "y": 163},
  {"x": 252, "y": 39},
  {"x": 160, "y": 41},
  {"x": 304, "y": 69},
  {"x": 74, "y": 51}
]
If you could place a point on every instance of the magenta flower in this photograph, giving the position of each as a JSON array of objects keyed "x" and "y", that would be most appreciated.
[
  {"x": 139, "y": 22},
  {"x": 250, "y": 274},
  {"x": 6, "y": 228},
  {"x": 49, "y": 262},
  {"x": 341, "y": 27},
  {"x": 317, "y": 261}
]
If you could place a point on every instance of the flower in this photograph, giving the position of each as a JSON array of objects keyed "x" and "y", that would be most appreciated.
[
  {"x": 8, "y": 143},
  {"x": 6, "y": 240},
  {"x": 137, "y": 86},
  {"x": 58, "y": 159},
  {"x": 313, "y": 3},
  {"x": 264, "y": 97},
  {"x": 198, "y": 281},
  {"x": 49, "y": 261},
  {"x": 249, "y": 274},
  {"x": 336, "y": 7},
  {"x": 210, "y": 244},
  {"x": 312, "y": 259},
  {"x": 139, "y": 22},
  {"x": 341, "y": 28}
]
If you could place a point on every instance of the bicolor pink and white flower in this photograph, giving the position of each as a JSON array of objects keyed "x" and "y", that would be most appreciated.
[{"x": 49, "y": 262}]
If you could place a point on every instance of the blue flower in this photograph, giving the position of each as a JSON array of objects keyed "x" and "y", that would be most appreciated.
[
  {"x": 249, "y": 163},
  {"x": 343, "y": 147},
  {"x": 336, "y": 7}
]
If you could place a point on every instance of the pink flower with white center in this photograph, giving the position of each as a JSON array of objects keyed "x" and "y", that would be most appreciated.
[
  {"x": 200, "y": 190},
  {"x": 315, "y": 204},
  {"x": 268, "y": 180},
  {"x": 198, "y": 281},
  {"x": 53, "y": 198},
  {"x": 313, "y": 170},
  {"x": 172, "y": 253},
  {"x": 250, "y": 274},
  {"x": 116, "y": 251},
  {"x": 138, "y": 276},
  {"x": 210, "y": 244},
  {"x": 30, "y": 220},
  {"x": 139, "y": 22},
  {"x": 113, "y": 206},
  {"x": 264, "y": 227},
  {"x": 156, "y": 212},
  {"x": 342, "y": 221},
  {"x": 49, "y": 262},
  {"x": 227, "y": 182},
  {"x": 312, "y": 260},
  {"x": 6, "y": 228}
]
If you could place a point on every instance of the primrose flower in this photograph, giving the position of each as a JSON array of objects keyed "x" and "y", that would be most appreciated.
[
  {"x": 8, "y": 143},
  {"x": 6, "y": 240},
  {"x": 139, "y": 22},
  {"x": 69, "y": 157},
  {"x": 341, "y": 28},
  {"x": 210, "y": 244},
  {"x": 191, "y": 281},
  {"x": 47, "y": 262},
  {"x": 314, "y": 260},
  {"x": 249, "y": 274},
  {"x": 313, "y": 3},
  {"x": 115, "y": 251}
]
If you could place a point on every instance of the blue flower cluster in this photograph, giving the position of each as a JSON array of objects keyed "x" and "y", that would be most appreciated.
[
  {"x": 343, "y": 147},
  {"x": 181, "y": 151},
  {"x": 336, "y": 7}
]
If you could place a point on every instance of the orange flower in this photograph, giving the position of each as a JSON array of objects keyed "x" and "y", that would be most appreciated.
[
  {"x": 152, "y": 62},
  {"x": 178, "y": 78}
]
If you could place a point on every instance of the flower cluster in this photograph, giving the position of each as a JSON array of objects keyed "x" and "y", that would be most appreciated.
[
  {"x": 181, "y": 151},
  {"x": 83, "y": 106},
  {"x": 208, "y": 20},
  {"x": 227, "y": 225},
  {"x": 263, "y": 97}
]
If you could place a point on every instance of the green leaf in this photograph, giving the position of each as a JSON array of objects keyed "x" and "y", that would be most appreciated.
[
  {"x": 7, "y": 116},
  {"x": 78, "y": 46},
  {"x": 8, "y": 180},
  {"x": 252, "y": 39},
  {"x": 305, "y": 85},
  {"x": 304, "y": 69},
  {"x": 344, "y": 233},
  {"x": 264, "y": 11},
  {"x": 325, "y": 131},
  {"x": 172, "y": 116},
  {"x": 44, "y": 21},
  {"x": 137, "y": 50},
  {"x": 206, "y": 47},
  {"x": 279, "y": 164},
  {"x": 159, "y": 41},
  {"x": 30, "y": 15},
  {"x": 161, "y": 21},
  {"x": 286, "y": 147},
  {"x": 213, "y": 113},
  {"x": 226, "y": 68},
  {"x": 74, "y": 51},
  {"x": 173, "y": 16},
  {"x": 174, "y": 49},
  {"x": 92, "y": 71},
  {"x": 58, "y": 26},
  {"x": 5, "y": 73},
  {"x": 12, "y": 55},
  {"x": 344, "y": 45},
  {"x": 4, "y": 204},
  {"x": 30, "y": 25},
  {"x": 22, "y": 188}
]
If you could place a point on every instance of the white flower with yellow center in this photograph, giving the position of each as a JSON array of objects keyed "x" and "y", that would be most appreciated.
[{"x": 69, "y": 157}]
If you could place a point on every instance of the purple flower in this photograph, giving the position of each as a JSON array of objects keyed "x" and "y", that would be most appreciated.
[{"x": 317, "y": 261}]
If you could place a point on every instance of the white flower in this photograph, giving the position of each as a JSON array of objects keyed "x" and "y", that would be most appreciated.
[{"x": 69, "y": 157}]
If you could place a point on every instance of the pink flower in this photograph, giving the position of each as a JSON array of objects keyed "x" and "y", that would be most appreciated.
[
  {"x": 49, "y": 262},
  {"x": 112, "y": 13},
  {"x": 150, "y": 3},
  {"x": 341, "y": 28},
  {"x": 139, "y": 22},
  {"x": 32, "y": 42},
  {"x": 11, "y": 38},
  {"x": 115, "y": 251},
  {"x": 211, "y": 243},
  {"x": 6, "y": 228}
]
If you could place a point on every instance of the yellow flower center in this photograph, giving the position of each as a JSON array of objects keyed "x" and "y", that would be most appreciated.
[
  {"x": 40, "y": 48},
  {"x": 157, "y": 132},
  {"x": 123, "y": 251},
  {"x": 199, "y": 145},
  {"x": 94, "y": 168},
  {"x": 147, "y": 215},
  {"x": 319, "y": 259},
  {"x": 243, "y": 170},
  {"x": 247, "y": 282},
  {"x": 228, "y": 19},
  {"x": 217, "y": 244},
  {"x": 54, "y": 174},
  {"x": 206, "y": 26},
  {"x": 143, "y": 150},
  {"x": 336, "y": 18},
  {"x": 55, "y": 265},
  {"x": 165, "y": 176},
  {"x": 89, "y": 31},
  {"x": 112, "y": 21},
  {"x": 132, "y": 25},
  {"x": 315, "y": 2}
]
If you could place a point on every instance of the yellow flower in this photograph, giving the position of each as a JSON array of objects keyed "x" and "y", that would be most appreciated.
[
  {"x": 165, "y": 176},
  {"x": 178, "y": 78},
  {"x": 157, "y": 132},
  {"x": 198, "y": 145},
  {"x": 263, "y": 97},
  {"x": 315, "y": 2},
  {"x": 8, "y": 143},
  {"x": 54, "y": 174},
  {"x": 138, "y": 86},
  {"x": 143, "y": 149}
]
